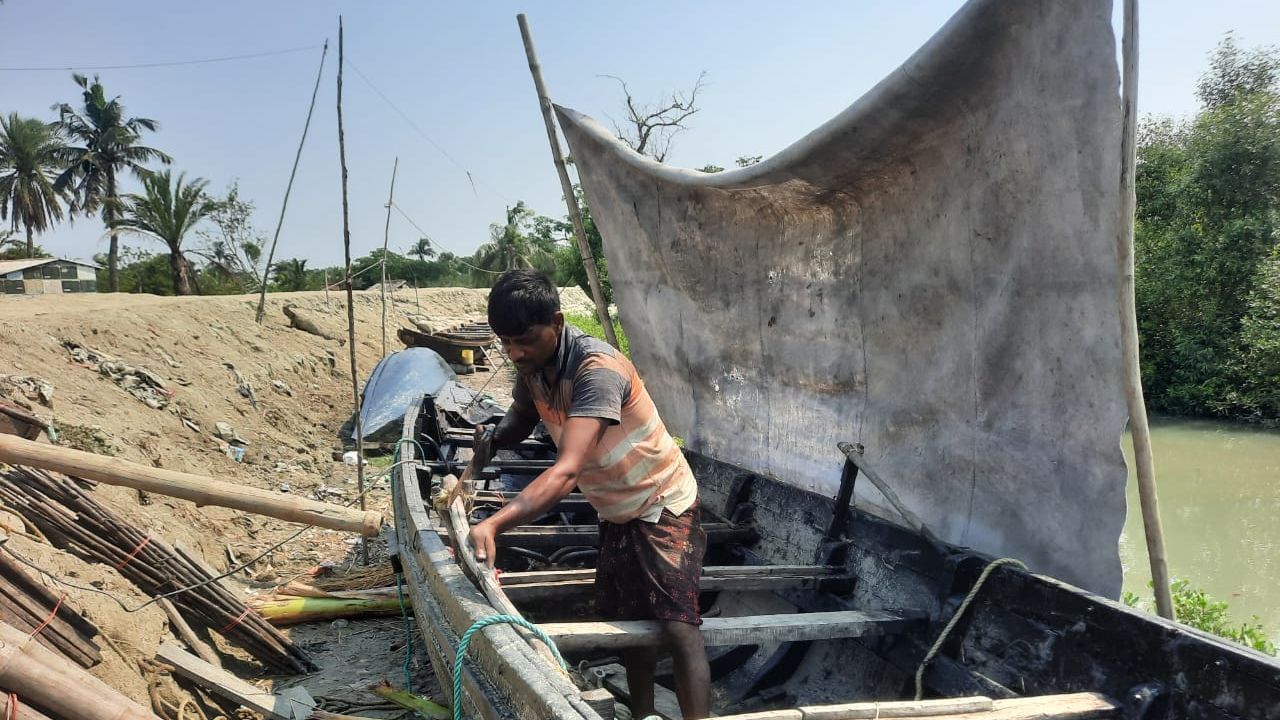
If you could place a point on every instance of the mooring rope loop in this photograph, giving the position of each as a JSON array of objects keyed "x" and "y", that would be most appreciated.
[
  {"x": 481, "y": 624},
  {"x": 955, "y": 619}
]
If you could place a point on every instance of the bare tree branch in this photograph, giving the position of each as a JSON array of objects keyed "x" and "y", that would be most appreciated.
[{"x": 650, "y": 128}]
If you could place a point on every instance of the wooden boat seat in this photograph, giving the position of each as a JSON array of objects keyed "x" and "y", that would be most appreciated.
[
  {"x": 549, "y": 584},
  {"x": 748, "y": 630},
  {"x": 554, "y": 536},
  {"x": 1073, "y": 706}
]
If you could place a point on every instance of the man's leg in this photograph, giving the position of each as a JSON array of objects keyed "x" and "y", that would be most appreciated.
[
  {"x": 640, "y": 664},
  {"x": 692, "y": 673}
]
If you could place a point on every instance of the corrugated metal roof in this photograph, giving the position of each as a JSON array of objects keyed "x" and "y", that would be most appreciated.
[{"x": 8, "y": 266}]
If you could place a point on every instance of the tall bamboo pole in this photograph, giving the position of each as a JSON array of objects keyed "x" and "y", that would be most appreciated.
[
  {"x": 351, "y": 310},
  {"x": 1138, "y": 428},
  {"x": 386, "y": 235},
  {"x": 579, "y": 230},
  {"x": 262, "y": 293}
]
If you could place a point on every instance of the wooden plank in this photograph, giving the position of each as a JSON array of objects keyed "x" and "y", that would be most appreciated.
[
  {"x": 484, "y": 577},
  {"x": 524, "y": 592},
  {"x": 221, "y": 682},
  {"x": 554, "y": 536},
  {"x": 897, "y": 709},
  {"x": 752, "y": 629},
  {"x": 614, "y": 677},
  {"x": 710, "y": 571},
  {"x": 1075, "y": 706}
]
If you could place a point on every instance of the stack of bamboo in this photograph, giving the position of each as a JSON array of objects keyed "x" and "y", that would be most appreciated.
[
  {"x": 74, "y": 520},
  {"x": 34, "y": 609}
]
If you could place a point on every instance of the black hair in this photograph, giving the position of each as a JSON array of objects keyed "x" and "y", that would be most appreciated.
[{"x": 521, "y": 299}]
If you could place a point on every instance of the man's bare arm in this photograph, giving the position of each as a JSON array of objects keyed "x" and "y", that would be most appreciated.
[{"x": 579, "y": 436}]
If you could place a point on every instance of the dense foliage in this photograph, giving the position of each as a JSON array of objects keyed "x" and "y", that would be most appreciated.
[
  {"x": 1208, "y": 245},
  {"x": 1193, "y": 606}
]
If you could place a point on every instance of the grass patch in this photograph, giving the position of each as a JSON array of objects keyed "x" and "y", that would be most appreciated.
[{"x": 588, "y": 324}]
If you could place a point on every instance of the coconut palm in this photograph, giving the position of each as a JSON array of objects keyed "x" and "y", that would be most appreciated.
[
  {"x": 28, "y": 168},
  {"x": 105, "y": 143},
  {"x": 166, "y": 210},
  {"x": 509, "y": 247},
  {"x": 290, "y": 275},
  {"x": 423, "y": 249}
]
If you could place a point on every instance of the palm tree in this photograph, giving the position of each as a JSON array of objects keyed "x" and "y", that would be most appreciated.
[
  {"x": 106, "y": 144},
  {"x": 290, "y": 275},
  {"x": 166, "y": 210},
  {"x": 508, "y": 247},
  {"x": 423, "y": 249},
  {"x": 28, "y": 161}
]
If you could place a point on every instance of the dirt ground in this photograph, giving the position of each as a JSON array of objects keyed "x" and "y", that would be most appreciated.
[{"x": 205, "y": 351}]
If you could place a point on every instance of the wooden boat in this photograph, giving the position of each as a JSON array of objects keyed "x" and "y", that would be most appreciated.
[{"x": 814, "y": 608}]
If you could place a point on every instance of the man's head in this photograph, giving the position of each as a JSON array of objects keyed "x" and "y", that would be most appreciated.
[{"x": 524, "y": 312}]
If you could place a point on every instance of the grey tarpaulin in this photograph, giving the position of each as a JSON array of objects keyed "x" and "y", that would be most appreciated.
[{"x": 932, "y": 274}]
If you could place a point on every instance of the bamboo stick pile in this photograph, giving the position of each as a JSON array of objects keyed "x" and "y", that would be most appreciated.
[
  {"x": 73, "y": 520},
  {"x": 27, "y": 605}
]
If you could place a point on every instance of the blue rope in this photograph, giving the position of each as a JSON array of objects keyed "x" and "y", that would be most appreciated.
[{"x": 481, "y": 624}]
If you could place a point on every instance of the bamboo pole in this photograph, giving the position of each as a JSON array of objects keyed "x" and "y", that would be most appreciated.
[
  {"x": 262, "y": 293},
  {"x": 386, "y": 235},
  {"x": 199, "y": 489},
  {"x": 52, "y": 683},
  {"x": 579, "y": 230},
  {"x": 351, "y": 310},
  {"x": 1138, "y": 427}
]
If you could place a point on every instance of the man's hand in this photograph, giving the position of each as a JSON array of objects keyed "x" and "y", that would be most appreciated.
[{"x": 483, "y": 539}]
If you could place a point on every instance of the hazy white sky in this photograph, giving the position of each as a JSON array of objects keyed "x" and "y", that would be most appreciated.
[{"x": 775, "y": 71}]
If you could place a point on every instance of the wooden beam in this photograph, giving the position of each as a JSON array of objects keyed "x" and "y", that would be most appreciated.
[
  {"x": 614, "y": 677},
  {"x": 554, "y": 536},
  {"x": 199, "y": 489},
  {"x": 710, "y": 571},
  {"x": 221, "y": 682},
  {"x": 713, "y": 579},
  {"x": 1075, "y": 706},
  {"x": 486, "y": 579},
  {"x": 749, "y": 630}
]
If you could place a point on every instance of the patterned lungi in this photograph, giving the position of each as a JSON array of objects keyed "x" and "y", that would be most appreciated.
[{"x": 651, "y": 571}]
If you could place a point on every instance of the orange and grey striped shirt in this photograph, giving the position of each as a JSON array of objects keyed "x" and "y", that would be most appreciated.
[{"x": 635, "y": 470}]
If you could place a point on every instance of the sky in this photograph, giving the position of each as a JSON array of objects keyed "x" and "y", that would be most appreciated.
[{"x": 461, "y": 99}]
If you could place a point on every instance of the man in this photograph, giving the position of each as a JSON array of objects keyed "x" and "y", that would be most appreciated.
[{"x": 614, "y": 448}]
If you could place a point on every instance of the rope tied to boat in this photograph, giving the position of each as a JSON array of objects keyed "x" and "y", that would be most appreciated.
[
  {"x": 404, "y": 611},
  {"x": 955, "y": 619},
  {"x": 481, "y": 624}
]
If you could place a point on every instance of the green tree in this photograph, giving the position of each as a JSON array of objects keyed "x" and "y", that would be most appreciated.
[
  {"x": 423, "y": 249},
  {"x": 166, "y": 210},
  {"x": 231, "y": 246},
  {"x": 509, "y": 246},
  {"x": 1208, "y": 224},
  {"x": 289, "y": 275},
  {"x": 709, "y": 168},
  {"x": 11, "y": 248},
  {"x": 104, "y": 144},
  {"x": 140, "y": 271},
  {"x": 28, "y": 169},
  {"x": 748, "y": 160}
]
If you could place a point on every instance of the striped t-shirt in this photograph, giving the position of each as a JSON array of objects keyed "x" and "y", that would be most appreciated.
[{"x": 635, "y": 470}]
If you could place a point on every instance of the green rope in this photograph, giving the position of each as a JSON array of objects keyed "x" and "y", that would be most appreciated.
[
  {"x": 408, "y": 633},
  {"x": 404, "y": 611},
  {"x": 481, "y": 624},
  {"x": 951, "y": 624}
]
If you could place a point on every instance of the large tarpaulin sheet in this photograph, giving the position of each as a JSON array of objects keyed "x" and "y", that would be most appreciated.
[{"x": 931, "y": 274}]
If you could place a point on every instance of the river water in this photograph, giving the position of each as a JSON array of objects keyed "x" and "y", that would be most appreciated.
[{"x": 1219, "y": 489}]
